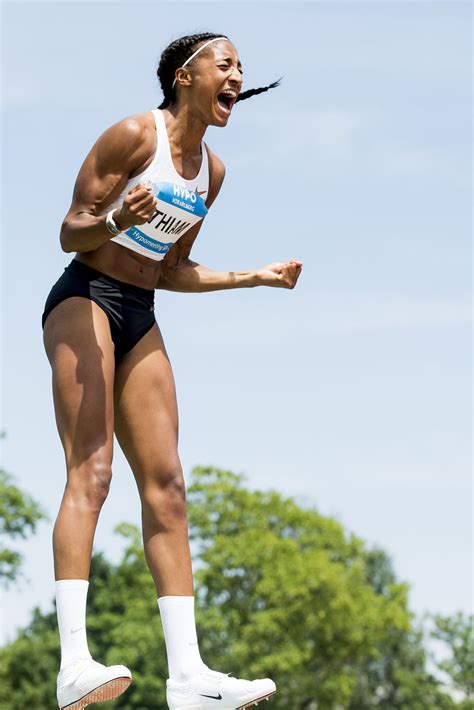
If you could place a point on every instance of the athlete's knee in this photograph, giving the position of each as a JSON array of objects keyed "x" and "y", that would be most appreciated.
[
  {"x": 172, "y": 482},
  {"x": 164, "y": 493},
  {"x": 88, "y": 484}
]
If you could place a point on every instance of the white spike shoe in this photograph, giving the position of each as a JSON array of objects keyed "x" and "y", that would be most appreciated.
[
  {"x": 211, "y": 689},
  {"x": 87, "y": 682}
]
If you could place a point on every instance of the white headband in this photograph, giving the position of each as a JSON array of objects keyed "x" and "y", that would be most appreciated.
[{"x": 216, "y": 39}]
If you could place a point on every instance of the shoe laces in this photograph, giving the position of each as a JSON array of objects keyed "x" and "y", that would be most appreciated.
[{"x": 219, "y": 677}]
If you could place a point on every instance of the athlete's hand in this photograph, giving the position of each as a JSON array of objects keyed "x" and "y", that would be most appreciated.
[
  {"x": 137, "y": 208},
  {"x": 281, "y": 274}
]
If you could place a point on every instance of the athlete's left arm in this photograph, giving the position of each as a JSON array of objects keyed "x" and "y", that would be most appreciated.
[{"x": 179, "y": 273}]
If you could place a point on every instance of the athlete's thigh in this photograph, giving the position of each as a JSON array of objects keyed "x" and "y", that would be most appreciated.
[
  {"x": 81, "y": 353},
  {"x": 146, "y": 414}
]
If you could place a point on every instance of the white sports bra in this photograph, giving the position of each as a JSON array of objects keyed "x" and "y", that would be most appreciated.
[{"x": 181, "y": 203}]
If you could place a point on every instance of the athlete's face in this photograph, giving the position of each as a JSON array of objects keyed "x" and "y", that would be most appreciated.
[{"x": 217, "y": 79}]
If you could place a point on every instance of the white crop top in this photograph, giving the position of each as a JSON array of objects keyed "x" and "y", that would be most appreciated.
[{"x": 181, "y": 203}]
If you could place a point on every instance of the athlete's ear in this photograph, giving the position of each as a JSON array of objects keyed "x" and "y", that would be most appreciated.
[{"x": 183, "y": 76}]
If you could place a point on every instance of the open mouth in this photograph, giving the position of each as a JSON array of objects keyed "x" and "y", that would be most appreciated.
[{"x": 225, "y": 101}]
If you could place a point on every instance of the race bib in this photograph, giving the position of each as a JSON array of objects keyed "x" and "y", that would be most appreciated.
[{"x": 177, "y": 210}]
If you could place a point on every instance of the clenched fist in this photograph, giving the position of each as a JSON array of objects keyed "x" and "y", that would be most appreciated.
[
  {"x": 281, "y": 274},
  {"x": 137, "y": 208}
]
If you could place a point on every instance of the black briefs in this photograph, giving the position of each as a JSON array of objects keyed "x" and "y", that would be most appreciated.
[{"x": 130, "y": 309}]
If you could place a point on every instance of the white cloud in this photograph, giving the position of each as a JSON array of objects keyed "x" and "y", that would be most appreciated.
[
  {"x": 360, "y": 140},
  {"x": 328, "y": 131},
  {"x": 334, "y": 127},
  {"x": 19, "y": 89},
  {"x": 367, "y": 314},
  {"x": 394, "y": 157},
  {"x": 328, "y": 313}
]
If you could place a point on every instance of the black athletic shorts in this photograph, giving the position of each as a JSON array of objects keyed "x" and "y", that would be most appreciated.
[{"x": 130, "y": 309}]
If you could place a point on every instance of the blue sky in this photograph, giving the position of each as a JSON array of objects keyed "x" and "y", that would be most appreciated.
[{"x": 350, "y": 393}]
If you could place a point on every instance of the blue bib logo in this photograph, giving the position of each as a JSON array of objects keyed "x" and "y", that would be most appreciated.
[{"x": 180, "y": 197}]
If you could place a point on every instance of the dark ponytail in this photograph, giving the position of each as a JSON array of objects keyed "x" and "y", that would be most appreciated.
[
  {"x": 253, "y": 92},
  {"x": 174, "y": 57}
]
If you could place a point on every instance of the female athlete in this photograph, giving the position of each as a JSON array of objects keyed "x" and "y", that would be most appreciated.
[{"x": 138, "y": 205}]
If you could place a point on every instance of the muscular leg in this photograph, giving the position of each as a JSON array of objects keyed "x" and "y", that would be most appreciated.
[
  {"x": 81, "y": 353},
  {"x": 146, "y": 425}
]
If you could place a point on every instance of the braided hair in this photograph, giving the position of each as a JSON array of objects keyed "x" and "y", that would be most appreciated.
[{"x": 174, "y": 57}]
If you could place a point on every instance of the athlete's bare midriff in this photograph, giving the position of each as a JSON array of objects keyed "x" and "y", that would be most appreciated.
[{"x": 123, "y": 264}]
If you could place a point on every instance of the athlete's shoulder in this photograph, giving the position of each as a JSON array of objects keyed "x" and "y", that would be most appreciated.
[
  {"x": 131, "y": 135},
  {"x": 126, "y": 145},
  {"x": 136, "y": 126}
]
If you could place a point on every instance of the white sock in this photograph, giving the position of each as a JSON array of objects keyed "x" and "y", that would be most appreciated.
[
  {"x": 71, "y": 598},
  {"x": 179, "y": 627}
]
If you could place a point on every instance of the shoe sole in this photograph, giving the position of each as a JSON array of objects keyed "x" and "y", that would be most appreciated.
[
  {"x": 255, "y": 702},
  {"x": 108, "y": 691}
]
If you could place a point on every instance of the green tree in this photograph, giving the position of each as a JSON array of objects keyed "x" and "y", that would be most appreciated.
[
  {"x": 286, "y": 592},
  {"x": 397, "y": 677},
  {"x": 281, "y": 591},
  {"x": 457, "y": 634},
  {"x": 19, "y": 516},
  {"x": 123, "y": 627}
]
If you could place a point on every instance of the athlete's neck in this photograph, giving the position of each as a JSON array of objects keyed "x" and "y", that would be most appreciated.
[{"x": 185, "y": 130}]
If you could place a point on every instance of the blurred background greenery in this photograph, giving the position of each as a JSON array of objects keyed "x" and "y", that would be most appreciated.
[{"x": 281, "y": 591}]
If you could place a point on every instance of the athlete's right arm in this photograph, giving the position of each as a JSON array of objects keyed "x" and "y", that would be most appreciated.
[{"x": 120, "y": 151}]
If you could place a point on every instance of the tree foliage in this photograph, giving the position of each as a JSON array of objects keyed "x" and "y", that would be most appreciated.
[
  {"x": 288, "y": 593},
  {"x": 282, "y": 591},
  {"x": 19, "y": 516},
  {"x": 457, "y": 634}
]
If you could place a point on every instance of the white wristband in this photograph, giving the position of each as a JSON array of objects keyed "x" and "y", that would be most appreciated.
[{"x": 111, "y": 224}]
